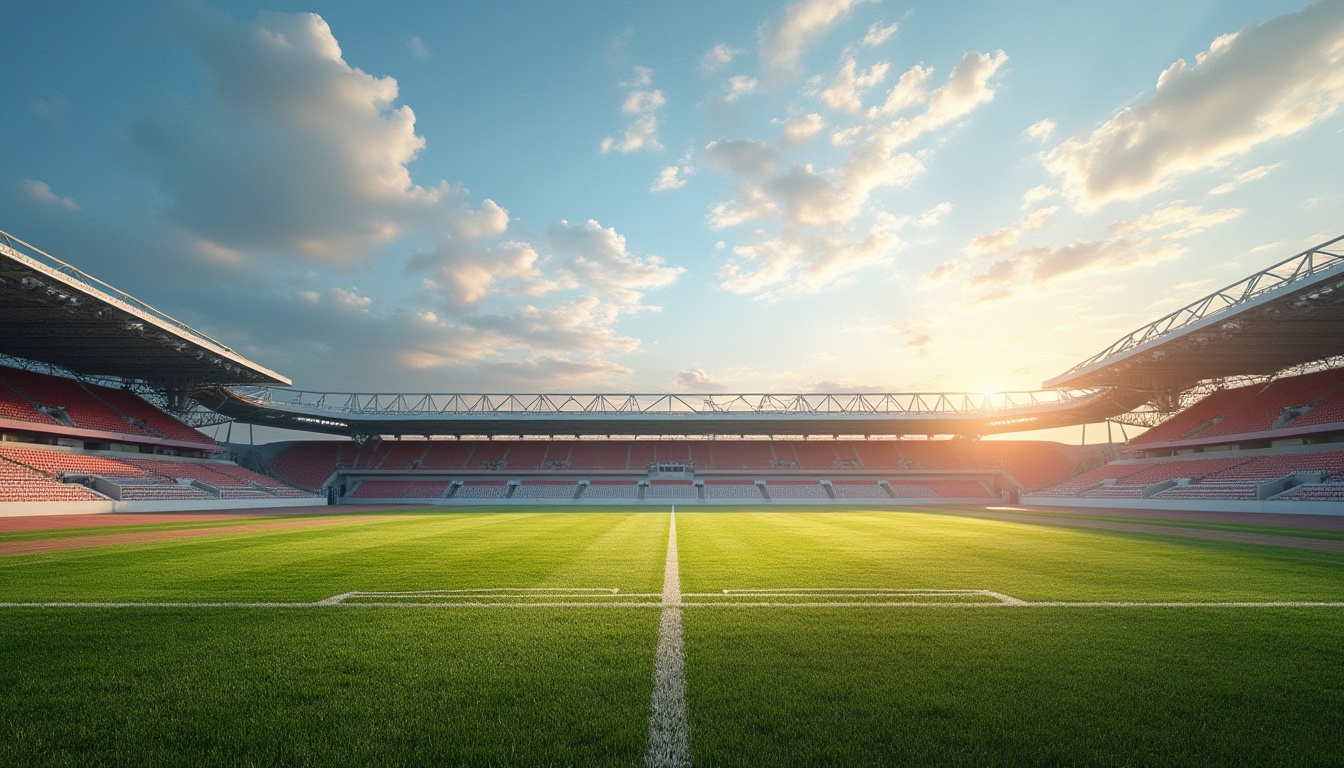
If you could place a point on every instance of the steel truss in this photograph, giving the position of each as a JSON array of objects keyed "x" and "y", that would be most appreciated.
[
  {"x": 1303, "y": 266},
  {"x": 769, "y": 404}
]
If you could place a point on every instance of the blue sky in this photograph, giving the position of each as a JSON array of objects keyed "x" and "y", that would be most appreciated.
[{"x": 697, "y": 196}]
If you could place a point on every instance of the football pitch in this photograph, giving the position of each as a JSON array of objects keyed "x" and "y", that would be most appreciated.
[{"x": 708, "y": 637}]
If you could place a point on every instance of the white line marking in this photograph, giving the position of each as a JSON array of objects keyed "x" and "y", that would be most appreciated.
[
  {"x": 669, "y": 732},
  {"x": 686, "y": 604}
]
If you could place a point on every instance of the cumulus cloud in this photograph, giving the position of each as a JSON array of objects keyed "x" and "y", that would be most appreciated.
[
  {"x": 739, "y": 86},
  {"x": 288, "y": 150},
  {"x": 40, "y": 191},
  {"x": 1034, "y": 266},
  {"x": 595, "y": 259},
  {"x": 878, "y": 34},
  {"x": 932, "y": 216},
  {"x": 1041, "y": 130},
  {"x": 717, "y": 57},
  {"x": 52, "y": 109},
  {"x": 1264, "y": 82},
  {"x": 670, "y": 177},
  {"x": 782, "y": 42},
  {"x": 801, "y": 129},
  {"x": 1243, "y": 178},
  {"x": 641, "y": 106},
  {"x": 808, "y": 262},
  {"x": 945, "y": 271},
  {"x": 1180, "y": 220},
  {"x": 418, "y": 48},
  {"x": 847, "y": 88},
  {"x": 697, "y": 380},
  {"x": 1035, "y": 195},
  {"x": 807, "y": 216},
  {"x": 1003, "y": 239}
]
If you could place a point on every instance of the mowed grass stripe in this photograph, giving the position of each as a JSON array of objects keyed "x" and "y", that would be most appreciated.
[
  {"x": 912, "y": 550},
  {"x": 1104, "y": 687},
  {"x": 409, "y": 553},
  {"x": 307, "y": 687}
]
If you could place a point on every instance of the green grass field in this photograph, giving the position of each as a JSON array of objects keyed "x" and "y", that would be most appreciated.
[{"x": 571, "y": 685}]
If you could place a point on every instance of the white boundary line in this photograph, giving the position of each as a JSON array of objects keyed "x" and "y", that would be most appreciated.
[
  {"x": 687, "y": 604},
  {"x": 669, "y": 731}
]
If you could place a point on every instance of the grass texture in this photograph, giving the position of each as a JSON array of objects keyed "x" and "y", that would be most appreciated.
[{"x": 765, "y": 686}]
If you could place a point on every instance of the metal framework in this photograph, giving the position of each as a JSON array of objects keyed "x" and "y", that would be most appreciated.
[
  {"x": 963, "y": 413},
  {"x": 770, "y": 404},
  {"x": 1312, "y": 272},
  {"x": 59, "y": 314}
]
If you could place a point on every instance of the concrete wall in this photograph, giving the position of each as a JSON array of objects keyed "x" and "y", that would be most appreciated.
[
  {"x": 667, "y": 502},
  {"x": 28, "y": 508},
  {"x": 1193, "y": 505}
]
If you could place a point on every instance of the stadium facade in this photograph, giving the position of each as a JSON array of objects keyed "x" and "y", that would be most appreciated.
[{"x": 1242, "y": 389}]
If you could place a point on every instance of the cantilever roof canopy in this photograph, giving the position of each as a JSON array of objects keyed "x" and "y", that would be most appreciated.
[
  {"x": 1285, "y": 315},
  {"x": 54, "y": 313},
  {"x": 664, "y": 414}
]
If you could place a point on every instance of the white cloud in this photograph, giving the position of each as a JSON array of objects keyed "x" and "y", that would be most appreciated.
[
  {"x": 597, "y": 260},
  {"x": 670, "y": 177},
  {"x": 799, "y": 263},
  {"x": 932, "y": 216},
  {"x": 419, "y": 50},
  {"x": 641, "y": 105},
  {"x": 846, "y": 90},
  {"x": 1245, "y": 177},
  {"x": 40, "y": 191},
  {"x": 910, "y": 91},
  {"x": 53, "y": 109},
  {"x": 1041, "y": 130},
  {"x": 1003, "y": 239},
  {"x": 1034, "y": 266},
  {"x": 878, "y": 34},
  {"x": 719, "y": 56},
  {"x": 739, "y": 86},
  {"x": 1267, "y": 81},
  {"x": 803, "y": 23},
  {"x": 808, "y": 234},
  {"x": 801, "y": 129},
  {"x": 697, "y": 380},
  {"x": 1037, "y": 194},
  {"x": 1182, "y": 220},
  {"x": 289, "y": 150}
]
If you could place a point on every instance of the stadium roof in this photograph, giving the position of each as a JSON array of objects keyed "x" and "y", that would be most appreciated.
[
  {"x": 54, "y": 313},
  {"x": 665, "y": 414},
  {"x": 1285, "y": 315}
]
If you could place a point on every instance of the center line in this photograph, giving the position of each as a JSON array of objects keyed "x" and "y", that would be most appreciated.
[{"x": 669, "y": 733}]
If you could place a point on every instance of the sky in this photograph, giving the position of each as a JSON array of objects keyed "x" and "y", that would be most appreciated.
[{"x": 824, "y": 195}]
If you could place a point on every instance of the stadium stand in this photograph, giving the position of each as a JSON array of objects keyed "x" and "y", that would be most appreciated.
[
  {"x": 611, "y": 489},
  {"x": 545, "y": 489},
  {"x": 448, "y": 454},
  {"x": 482, "y": 489},
  {"x": 84, "y": 409},
  {"x": 23, "y": 483},
  {"x": 148, "y": 478},
  {"x": 858, "y": 489},
  {"x": 599, "y": 454},
  {"x": 671, "y": 489},
  {"x": 151, "y": 419},
  {"x": 732, "y": 489},
  {"x": 308, "y": 464},
  {"x": 1032, "y": 464},
  {"x": 400, "y": 489},
  {"x": 796, "y": 489}
]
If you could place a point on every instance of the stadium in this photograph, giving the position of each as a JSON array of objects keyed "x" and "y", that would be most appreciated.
[
  {"x": 100, "y": 392},
  {"x": 1240, "y": 389},
  {"x": 818, "y": 383}
]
